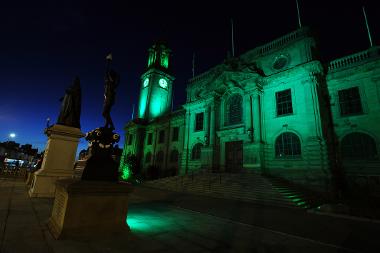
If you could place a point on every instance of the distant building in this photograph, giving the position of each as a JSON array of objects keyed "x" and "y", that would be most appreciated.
[
  {"x": 15, "y": 151},
  {"x": 276, "y": 109}
]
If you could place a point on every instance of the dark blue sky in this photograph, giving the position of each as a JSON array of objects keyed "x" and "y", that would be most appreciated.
[{"x": 44, "y": 45}]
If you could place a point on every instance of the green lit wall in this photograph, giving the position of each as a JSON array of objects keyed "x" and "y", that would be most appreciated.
[
  {"x": 143, "y": 101},
  {"x": 124, "y": 170},
  {"x": 298, "y": 71}
]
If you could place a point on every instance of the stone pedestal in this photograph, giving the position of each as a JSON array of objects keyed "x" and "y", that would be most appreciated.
[
  {"x": 58, "y": 161},
  {"x": 88, "y": 209}
]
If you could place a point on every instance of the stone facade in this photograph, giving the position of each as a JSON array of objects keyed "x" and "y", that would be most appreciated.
[{"x": 276, "y": 109}]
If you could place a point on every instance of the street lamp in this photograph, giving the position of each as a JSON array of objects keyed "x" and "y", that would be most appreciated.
[{"x": 12, "y": 135}]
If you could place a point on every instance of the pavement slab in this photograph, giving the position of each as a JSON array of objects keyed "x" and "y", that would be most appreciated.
[{"x": 167, "y": 222}]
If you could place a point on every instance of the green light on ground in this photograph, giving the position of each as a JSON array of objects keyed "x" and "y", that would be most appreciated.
[{"x": 149, "y": 222}]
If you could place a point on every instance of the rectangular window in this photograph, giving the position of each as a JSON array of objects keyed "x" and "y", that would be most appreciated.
[
  {"x": 175, "y": 133},
  {"x": 284, "y": 102},
  {"x": 349, "y": 101},
  {"x": 130, "y": 139},
  {"x": 150, "y": 137},
  {"x": 199, "y": 121},
  {"x": 161, "y": 138}
]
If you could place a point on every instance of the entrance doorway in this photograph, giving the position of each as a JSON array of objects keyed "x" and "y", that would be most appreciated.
[{"x": 234, "y": 156}]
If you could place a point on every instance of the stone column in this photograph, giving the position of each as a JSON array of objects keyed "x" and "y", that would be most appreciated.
[
  {"x": 207, "y": 126},
  {"x": 212, "y": 125},
  {"x": 256, "y": 117},
  {"x": 58, "y": 161}
]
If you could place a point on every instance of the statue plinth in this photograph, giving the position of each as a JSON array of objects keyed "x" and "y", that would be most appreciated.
[
  {"x": 58, "y": 161},
  {"x": 89, "y": 209}
]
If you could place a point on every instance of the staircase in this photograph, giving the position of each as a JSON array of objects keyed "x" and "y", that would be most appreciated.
[
  {"x": 248, "y": 187},
  {"x": 301, "y": 196}
]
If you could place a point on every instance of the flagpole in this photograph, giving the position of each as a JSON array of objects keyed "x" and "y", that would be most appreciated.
[
  {"x": 193, "y": 65},
  {"x": 232, "y": 38},
  {"x": 172, "y": 100},
  {"x": 299, "y": 16},
  {"x": 368, "y": 31}
]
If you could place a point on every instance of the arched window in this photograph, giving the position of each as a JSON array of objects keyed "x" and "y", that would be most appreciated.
[
  {"x": 174, "y": 156},
  {"x": 288, "y": 145},
  {"x": 160, "y": 157},
  {"x": 148, "y": 157},
  {"x": 358, "y": 146},
  {"x": 234, "y": 110},
  {"x": 196, "y": 152}
]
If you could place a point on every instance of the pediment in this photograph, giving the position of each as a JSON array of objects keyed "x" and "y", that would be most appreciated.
[{"x": 233, "y": 73}]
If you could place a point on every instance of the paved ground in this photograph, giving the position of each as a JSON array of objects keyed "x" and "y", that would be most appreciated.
[{"x": 162, "y": 222}]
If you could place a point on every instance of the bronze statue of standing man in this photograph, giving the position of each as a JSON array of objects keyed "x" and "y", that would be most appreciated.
[{"x": 111, "y": 82}]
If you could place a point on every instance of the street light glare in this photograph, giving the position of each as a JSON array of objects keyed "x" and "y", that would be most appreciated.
[{"x": 12, "y": 135}]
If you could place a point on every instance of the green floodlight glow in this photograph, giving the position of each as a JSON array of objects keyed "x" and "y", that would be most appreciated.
[
  {"x": 123, "y": 167},
  {"x": 146, "y": 82},
  {"x": 291, "y": 196},
  {"x": 149, "y": 222},
  {"x": 156, "y": 106},
  {"x": 164, "y": 60},
  {"x": 125, "y": 173},
  {"x": 142, "y": 102},
  {"x": 163, "y": 83},
  {"x": 152, "y": 58}
]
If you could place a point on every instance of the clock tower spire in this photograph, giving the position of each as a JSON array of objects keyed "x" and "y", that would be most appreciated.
[{"x": 156, "y": 84}]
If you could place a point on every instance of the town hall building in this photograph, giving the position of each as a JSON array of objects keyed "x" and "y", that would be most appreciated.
[{"x": 276, "y": 109}]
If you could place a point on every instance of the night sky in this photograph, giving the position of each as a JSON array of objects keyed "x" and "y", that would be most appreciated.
[{"x": 45, "y": 45}]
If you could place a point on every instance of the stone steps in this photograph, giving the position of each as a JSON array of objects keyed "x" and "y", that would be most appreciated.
[{"x": 245, "y": 187}]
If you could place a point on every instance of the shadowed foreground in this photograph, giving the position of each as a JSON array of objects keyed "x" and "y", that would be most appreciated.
[{"x": 159, "y": 224}]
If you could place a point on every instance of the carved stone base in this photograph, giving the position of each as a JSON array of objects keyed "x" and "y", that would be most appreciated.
[
  {"x": 58, "y": 160},
  {"x": 87, "y": 209}
]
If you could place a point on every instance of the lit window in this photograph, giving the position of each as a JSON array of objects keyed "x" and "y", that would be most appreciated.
[
  {"x": 196, "y": 152},
  {"x": 199, "y": 121},
  {"x": 349, "y": 101},
  {"x": 160, "y": 157},
  {"x": 161, "y": 138},
  {"x": 174, "y": 156},
  {"x": 130, "y": 139},
  {"x": 175, "y": 134},
  {"x": 150, "y": 137},
  {"x": 288, "y": 145},
  {"x": 358, "y": 146},
  {"x": 284, "y": 102},
  {"x": 234, "y": 110},
  {"x": 148, "y": 157}
]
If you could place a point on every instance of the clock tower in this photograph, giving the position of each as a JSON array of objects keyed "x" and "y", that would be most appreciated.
[{"x": 156, "y": 84}]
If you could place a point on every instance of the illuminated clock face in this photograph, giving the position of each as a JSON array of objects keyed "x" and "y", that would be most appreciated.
[
  {"x": 163, "y": 83},
  {"x": 146, "y": 82}
]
